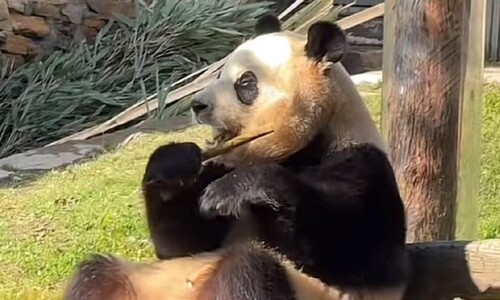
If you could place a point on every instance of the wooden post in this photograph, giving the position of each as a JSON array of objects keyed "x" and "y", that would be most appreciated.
[
  {"x": 426, "y": 65},
  {"x": 469, "y": 142}
]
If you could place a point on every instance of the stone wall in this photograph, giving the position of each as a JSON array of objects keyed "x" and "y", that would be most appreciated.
[{"x": 32, "y": 27}]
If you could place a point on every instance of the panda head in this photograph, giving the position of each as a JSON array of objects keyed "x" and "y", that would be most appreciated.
[{"x": 278, "y": 80}]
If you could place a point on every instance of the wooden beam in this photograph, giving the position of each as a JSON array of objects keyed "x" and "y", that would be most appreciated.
[
  {"x": 426, "y": 45},
  {"x": 444, "y": 270},
  {"x": 362, "y": 16}
]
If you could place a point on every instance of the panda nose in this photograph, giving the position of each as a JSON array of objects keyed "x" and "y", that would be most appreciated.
[{"x": 199, "y": 104}]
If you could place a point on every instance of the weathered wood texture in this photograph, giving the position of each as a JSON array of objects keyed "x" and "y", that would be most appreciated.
[
  {"x": 444, "y": 270},
  {"x": 423, "y": 79},
  {"x": 447, "y": 270}
]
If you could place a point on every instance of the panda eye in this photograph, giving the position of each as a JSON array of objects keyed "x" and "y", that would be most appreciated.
[
  {"x": 246, "y": 80},
  {"x": 246, "y": 88}
]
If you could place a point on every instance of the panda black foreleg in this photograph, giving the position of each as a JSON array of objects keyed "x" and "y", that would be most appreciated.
[
  {"x": 270, "y": 193},
  {"x": 172, "y": 182},
  {"x": 267, "y": 185}
]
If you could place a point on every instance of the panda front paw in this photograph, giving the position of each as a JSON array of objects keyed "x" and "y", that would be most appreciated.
[
  {"x": 173, "y": 166},
  {"x": 235, "y": 192}
]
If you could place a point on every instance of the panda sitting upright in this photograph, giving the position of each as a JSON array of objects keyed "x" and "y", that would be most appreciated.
[{"x": 319, "y": 189}]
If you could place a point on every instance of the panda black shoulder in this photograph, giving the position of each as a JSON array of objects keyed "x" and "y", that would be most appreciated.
[{"x": 362, "y": 158}]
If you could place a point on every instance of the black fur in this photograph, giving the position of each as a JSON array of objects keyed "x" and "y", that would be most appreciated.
[
  {"x": 341, "y": 219},
  {"x": 267, "y": 24},
  {"x": 171, "y": 185},
  {"x": 248, "y": 272},
  {"x": 327, "y": 41}
]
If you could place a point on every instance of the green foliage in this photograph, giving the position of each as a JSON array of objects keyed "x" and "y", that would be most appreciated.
[{"x": 69, "y": 91}]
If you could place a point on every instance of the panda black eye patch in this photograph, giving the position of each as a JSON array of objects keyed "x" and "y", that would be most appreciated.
[{"x": 246, "y": 88}]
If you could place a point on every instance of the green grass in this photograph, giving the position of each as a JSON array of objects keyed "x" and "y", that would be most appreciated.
[
  {"x": 50, "y": 225},
  {"x": 47, "y": 227},
  {"x": 489, "y": 200}
]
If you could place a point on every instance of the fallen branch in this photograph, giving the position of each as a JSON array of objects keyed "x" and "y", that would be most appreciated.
[{"x": 143, "y": 107}]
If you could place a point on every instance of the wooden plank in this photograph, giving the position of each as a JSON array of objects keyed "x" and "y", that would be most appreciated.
[
  {"x": 289, "y": 9},
  {"x": 141, "y": 108},
  {"x": 451, "y": 269},
  {"x": 362, "y": 17},
  {"x": 470, "y": 120},
  {"x": 360, "y": 2}
]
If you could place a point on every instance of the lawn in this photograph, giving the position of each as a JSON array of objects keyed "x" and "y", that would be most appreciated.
[{"x": 51, "y": 224}]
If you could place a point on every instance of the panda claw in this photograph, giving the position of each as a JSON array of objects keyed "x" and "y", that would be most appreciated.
[{"x": 213, "y": 204}]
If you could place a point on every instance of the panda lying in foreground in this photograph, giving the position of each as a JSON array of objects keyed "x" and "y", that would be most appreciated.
[{"x": 319, "y": 190}]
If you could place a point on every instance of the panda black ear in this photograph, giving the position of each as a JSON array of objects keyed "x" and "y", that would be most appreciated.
[
  {"x": 325, "y": 40},
  {"x": 267, "y": 24}
]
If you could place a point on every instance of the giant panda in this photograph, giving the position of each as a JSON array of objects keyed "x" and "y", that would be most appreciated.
[{"x": 319, "y": 189}]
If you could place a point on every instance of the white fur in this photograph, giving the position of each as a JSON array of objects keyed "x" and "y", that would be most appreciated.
[
  {"x": 271, "y": 50},
  {"x": 271, "y": 95},
  {"x": 263, "y": 55},
  {"x": 352, "y": 120}
]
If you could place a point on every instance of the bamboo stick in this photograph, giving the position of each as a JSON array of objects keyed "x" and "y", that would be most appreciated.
[{"x": 231, "y": 144}]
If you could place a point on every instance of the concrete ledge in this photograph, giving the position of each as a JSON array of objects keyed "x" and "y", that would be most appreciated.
[{"x": 58, "y": 156}]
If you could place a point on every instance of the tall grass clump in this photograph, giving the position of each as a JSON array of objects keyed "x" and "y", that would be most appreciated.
[{"x": 131, "y": 58}]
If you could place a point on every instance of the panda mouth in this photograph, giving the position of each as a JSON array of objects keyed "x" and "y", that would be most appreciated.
[{"x": 221, "y": 136}]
